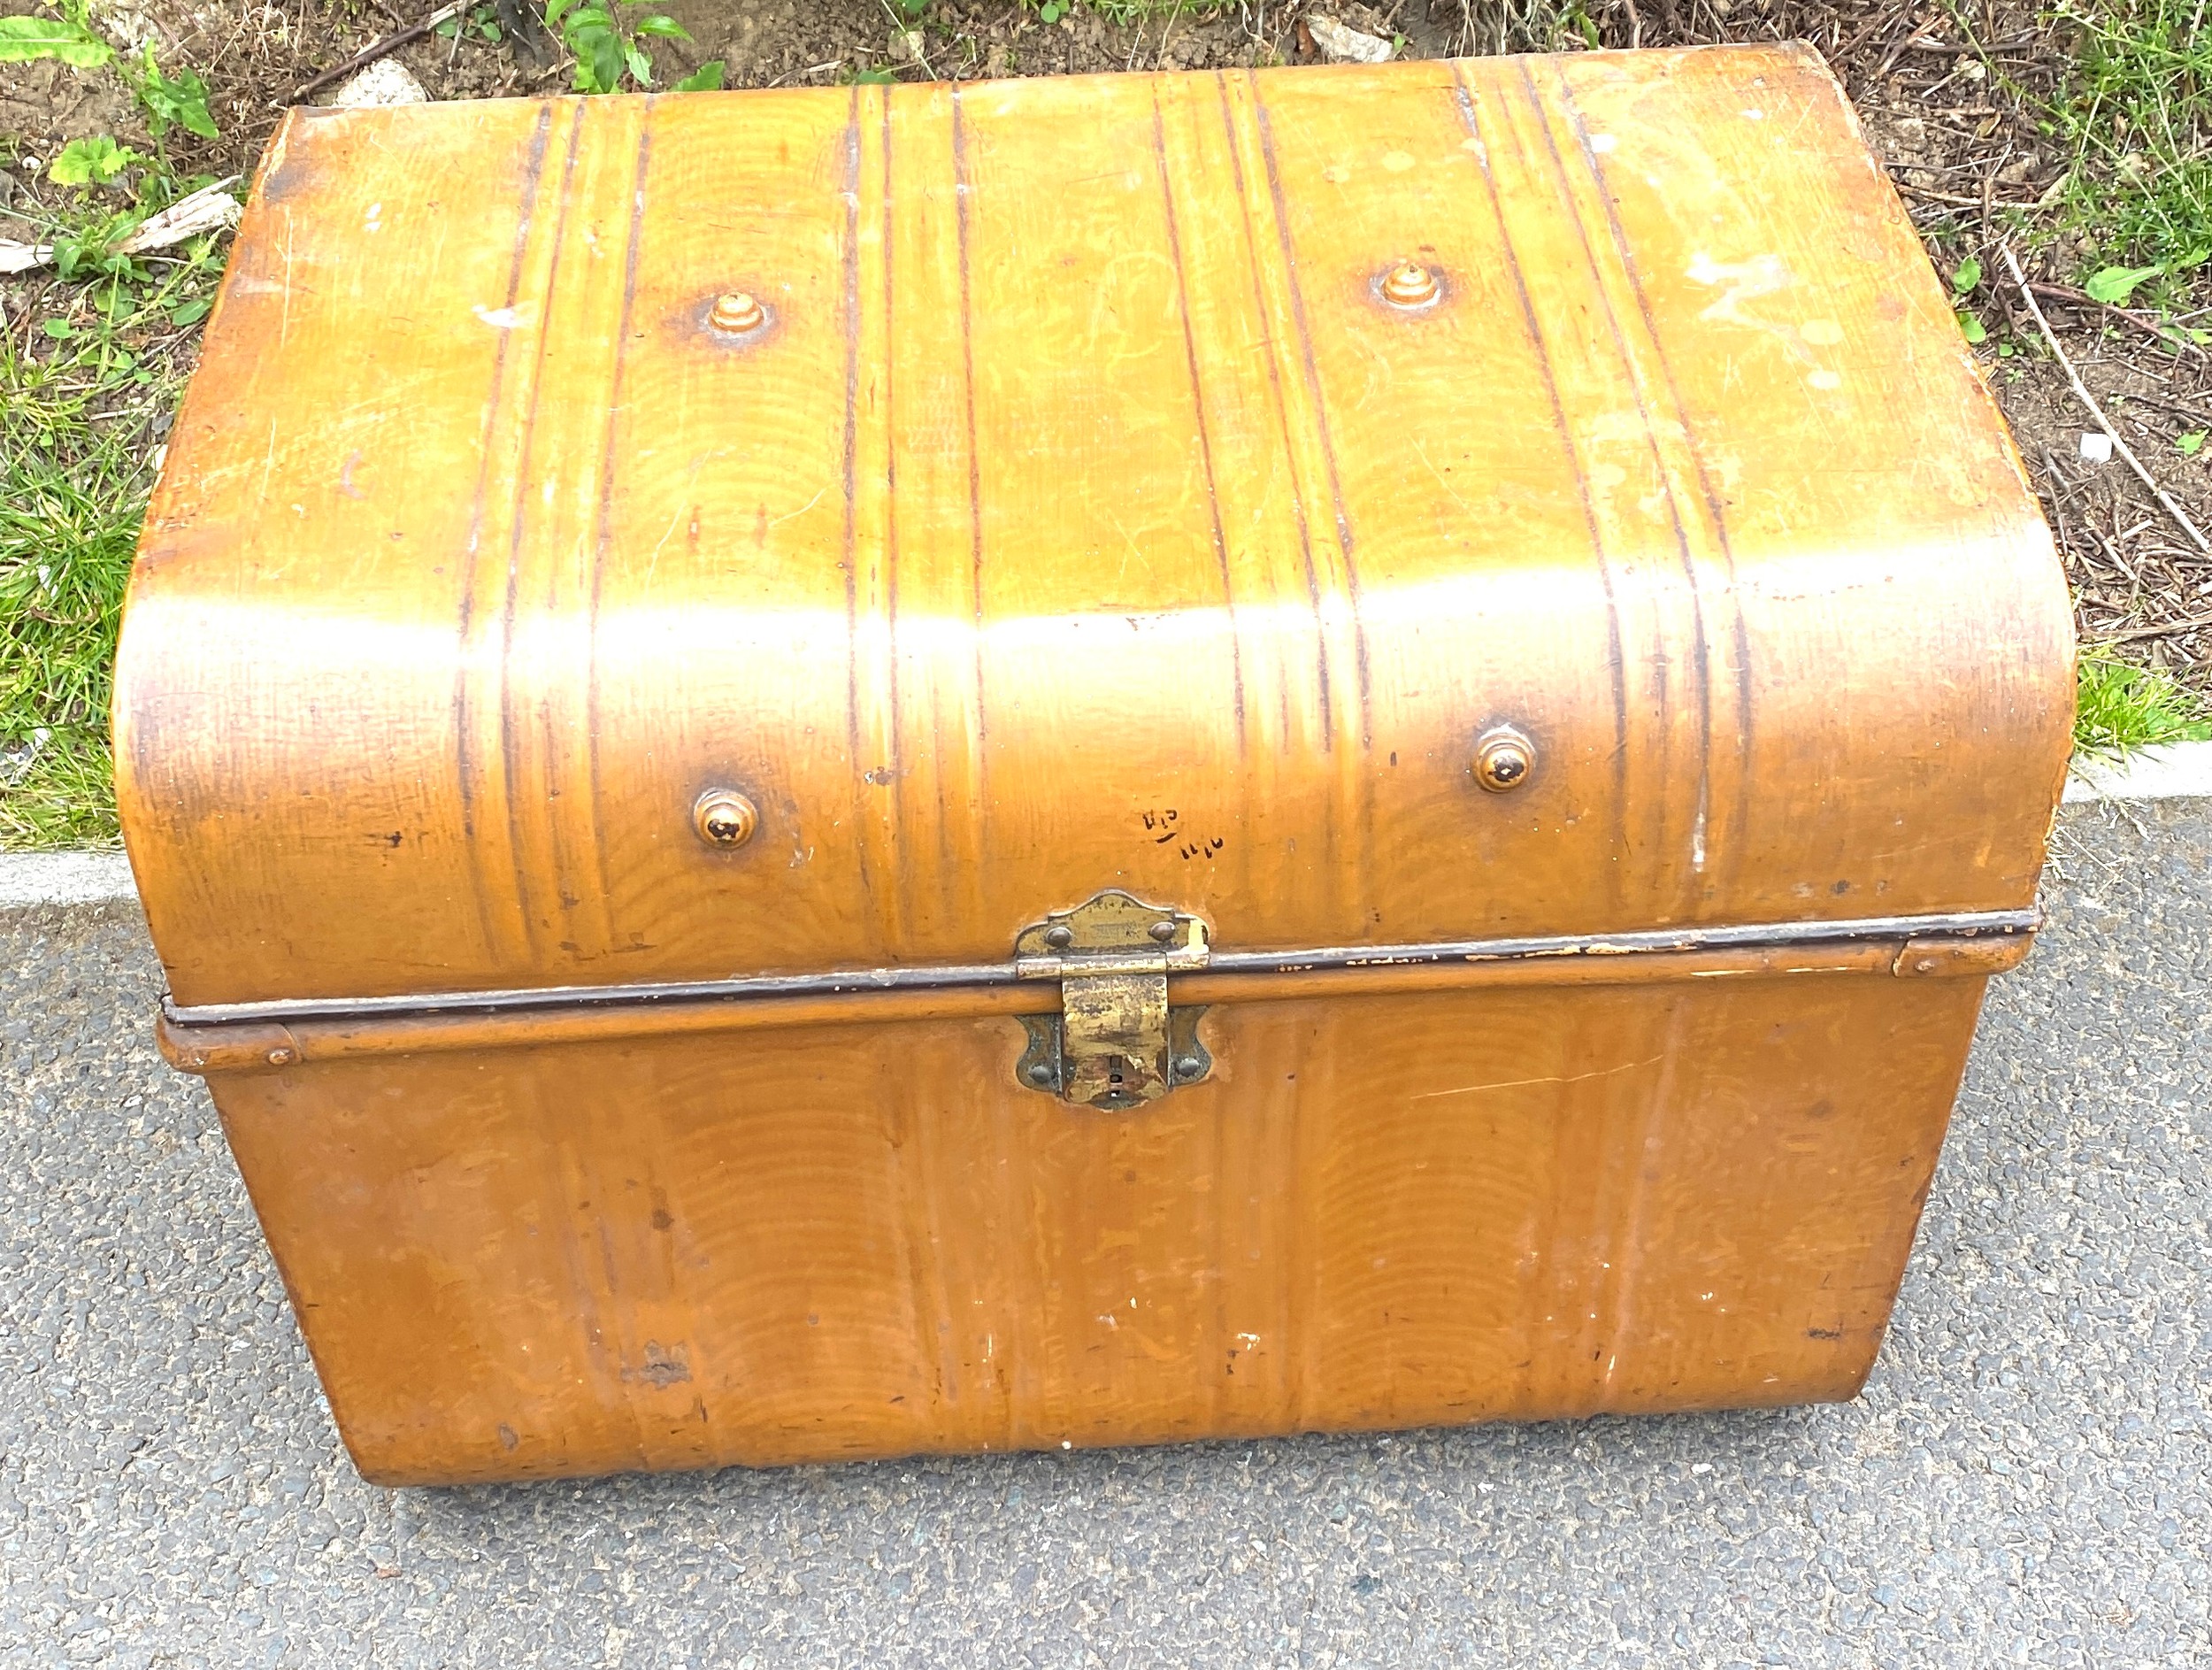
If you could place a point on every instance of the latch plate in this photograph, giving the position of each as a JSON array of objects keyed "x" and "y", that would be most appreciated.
[{"x": 1115, "y": 1044}]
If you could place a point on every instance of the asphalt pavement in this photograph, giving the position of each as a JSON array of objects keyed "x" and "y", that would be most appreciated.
[{"x": 2026, "y": 1480}]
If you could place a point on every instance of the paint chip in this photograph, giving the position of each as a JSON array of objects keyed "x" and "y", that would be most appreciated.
[
  {"x": 503, "y": 318},
  {"x": 1397, "y": 161},
  {"x": 1738, "y": 281},
  {"x": 1336, "y": 174},
  {"x": 1602, "y": 143},
  {"x": 1825, "y": 332},
  {"x": 1825, "y": 380}
]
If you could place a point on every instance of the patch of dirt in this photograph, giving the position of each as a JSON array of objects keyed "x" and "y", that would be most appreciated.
[
  {"x": 43, "y": 106},
  {"x": 2140, "y": 583},
  {"x": 1956, "y": 125}
]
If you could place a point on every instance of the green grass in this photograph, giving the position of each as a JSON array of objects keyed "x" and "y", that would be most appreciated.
[
  {"x": 77, "y": 413},
  {"x": 2121, "y": 707},
  {"x": 2134, "y": 115}
]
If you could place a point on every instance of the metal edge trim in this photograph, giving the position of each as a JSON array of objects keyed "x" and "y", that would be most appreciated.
[{"x": 946, "y": 976}]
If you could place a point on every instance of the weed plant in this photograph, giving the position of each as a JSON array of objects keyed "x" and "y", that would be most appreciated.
[{"x": 2121, "y": 707}]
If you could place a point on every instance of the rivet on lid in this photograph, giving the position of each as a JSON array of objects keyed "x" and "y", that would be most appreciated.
[
  {"x": 1409, "y": 284},
  {"x": 736, "y": 314}
]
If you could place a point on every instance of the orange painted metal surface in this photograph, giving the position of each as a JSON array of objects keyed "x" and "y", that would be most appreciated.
[{"x": 622, "y": 542}]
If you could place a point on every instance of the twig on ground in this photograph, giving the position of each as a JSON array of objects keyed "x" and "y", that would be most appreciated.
[
  {"x": 369, "y": 54},
  {"x": 2003, "y": 49},
  {"x": 1882, "y": 19},
  {"x": 2170, "y": 629},
  {"x": 2059, "y": 486},
  {"x": 1954, "y": 199},
  {"x": 2081, "y": 393},
  {"x": 1897, "y": 47},
  {"x": 204, "y": 210},
  {"x": 2082, "y": 298}
]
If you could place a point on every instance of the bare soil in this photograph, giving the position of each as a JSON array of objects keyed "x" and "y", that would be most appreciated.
[{"x": 1962, "y": 143}]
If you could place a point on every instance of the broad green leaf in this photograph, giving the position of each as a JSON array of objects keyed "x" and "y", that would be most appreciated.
[
  {"x": 555, "y": 10},
  {"x": 2190, "y": 444},
  {"x": 1968, "y": 275},
  {"x": 93, "y": 162},
  {"x": 2113, "y": 285},
  {"x": 26, "y": 39},
  {"x": 608, "y": 61},
  {"x": 182, "y": 100},
  {"x": 639, "y": 64},
  {"x": 667, "y": 26},
  {"x": 706, "y": 79},
  {"x": 189, "y": 312},
  {"x": 1972, "y": 328},
  {"x": 193, "y": 111}
]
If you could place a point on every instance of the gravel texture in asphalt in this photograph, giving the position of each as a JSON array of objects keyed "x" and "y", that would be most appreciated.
[{"x": 2026, "y": 1480}]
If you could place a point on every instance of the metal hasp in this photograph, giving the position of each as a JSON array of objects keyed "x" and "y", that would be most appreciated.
[{"x": 1115, "y": 1043}]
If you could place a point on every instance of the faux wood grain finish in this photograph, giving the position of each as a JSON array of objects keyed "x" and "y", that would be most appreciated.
[
  {"x": 1080, "y": 478},
  {"x": 1083, "y": 518},
  {"x": 1380, "y": 1212}
]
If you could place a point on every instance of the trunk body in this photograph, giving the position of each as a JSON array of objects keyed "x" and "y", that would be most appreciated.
[{"x": 838, "y": 772}]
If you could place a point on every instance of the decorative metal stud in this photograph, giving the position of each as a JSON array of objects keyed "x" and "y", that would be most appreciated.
[
  {"x": 736, "y": 314},
  {"x": 1410, "y": 285},
  {"x": 1504, "y": 759},
  {"x": 724, "y": 818}
]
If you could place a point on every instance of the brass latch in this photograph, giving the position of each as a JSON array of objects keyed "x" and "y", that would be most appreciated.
[{"x": 1115, "y": 1042}]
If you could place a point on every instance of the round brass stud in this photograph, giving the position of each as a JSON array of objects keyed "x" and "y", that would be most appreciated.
[
  {"x": 1188, "y": 1066},
  {"x": 281, "y": 1057},
  {"x": 1504, "y": 759},
  {"x": 1161, "y": 931},
  {"x": 1059, "y": 938},
  {"x": 1409, "y": 284},
  {"x": 724, "y": 818},
  {"x": 736, "y": 313}
]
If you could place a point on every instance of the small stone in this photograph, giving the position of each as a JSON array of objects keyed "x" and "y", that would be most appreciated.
[
  {"x": 2096, "y": 448},
  {"x": 386, "y": 81},
  {"x": 1341, "y": 43}
]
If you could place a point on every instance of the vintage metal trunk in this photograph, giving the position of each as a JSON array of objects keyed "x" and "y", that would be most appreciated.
[{"x": 826, "y": 774}]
